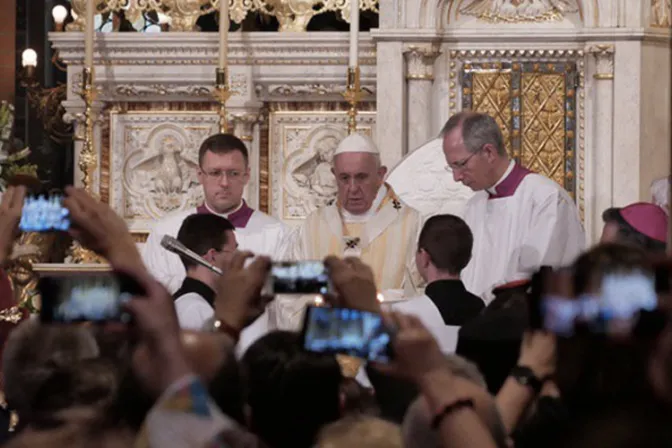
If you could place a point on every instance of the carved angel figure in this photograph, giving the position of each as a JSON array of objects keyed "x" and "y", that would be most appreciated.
[
  {"x": 315, "y": 173},
  {"x": 517, "y": 10},
  {"x": 169, "y": 175},
  {"x": 661, "y": 12}
]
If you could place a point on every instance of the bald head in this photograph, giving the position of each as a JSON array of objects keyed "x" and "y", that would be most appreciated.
[{"x": 359, "y": 173}]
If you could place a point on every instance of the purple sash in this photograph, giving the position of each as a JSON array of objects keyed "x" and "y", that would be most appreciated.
[
  {"x": 239, "y": 218},
  {"x": 509, "y": 185}
]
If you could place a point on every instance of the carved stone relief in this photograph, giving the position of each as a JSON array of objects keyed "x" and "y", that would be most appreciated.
[
  {"x": 515, "y": 11},
  {"x": 421, "y": 180},
  {"x": 661, "y": 13},
  {"x": 154, "y": 162},
  {"x": 301, "y": 149}
]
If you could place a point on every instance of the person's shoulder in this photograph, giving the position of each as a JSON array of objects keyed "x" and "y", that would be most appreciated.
[
  {"x": 541, "y": 186},
  {"x": 174, "y": 218},
  {"x": 191, "y": 300},
  {"x": 264, "y": 219}
]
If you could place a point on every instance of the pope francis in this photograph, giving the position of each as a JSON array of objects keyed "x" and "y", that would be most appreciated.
[{"x": 366, "y": 220}]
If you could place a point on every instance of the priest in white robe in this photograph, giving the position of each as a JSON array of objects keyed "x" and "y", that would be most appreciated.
[
  {"x": 223, "y": 172},
  {"x": 520, "y": 220},
  {"x": 367, "y": 220}
]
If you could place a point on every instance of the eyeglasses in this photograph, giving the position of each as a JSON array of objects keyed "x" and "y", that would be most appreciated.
[
  {"x": 218, "y": 175},
  {"x": 456, "y": 166}
]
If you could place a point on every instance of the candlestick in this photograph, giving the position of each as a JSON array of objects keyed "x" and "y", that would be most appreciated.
[
  {"x": 353, "y": 95},
  {"x": 224, "y": 24},
  {"x": 87, "y": 156},
  {"x": 88, "y": 161},
  {"x": 354, "y": 33},
  {"x": 222, "y": 94},
  {"x": 88, "y": 36}
]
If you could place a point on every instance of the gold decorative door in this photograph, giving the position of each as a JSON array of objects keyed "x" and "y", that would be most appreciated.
[{"x": 534, "y": 103}]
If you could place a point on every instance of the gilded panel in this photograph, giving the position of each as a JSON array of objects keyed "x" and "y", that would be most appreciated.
[
  {"x": 534, "y": 103},
  {"x": 301, "y": 147}
]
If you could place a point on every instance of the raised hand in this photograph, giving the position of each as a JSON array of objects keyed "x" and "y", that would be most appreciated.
[
  {"x": 96, "y": 226},
  {"x": 239, "y": 300},
  {"x": 354, "y": 284}
]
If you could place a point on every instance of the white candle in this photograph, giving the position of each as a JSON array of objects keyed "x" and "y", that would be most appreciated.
[
  {"x": 223, "y": 33},
  {"x": 88, "y": 36},
  {"x": 354, "y": 32}
]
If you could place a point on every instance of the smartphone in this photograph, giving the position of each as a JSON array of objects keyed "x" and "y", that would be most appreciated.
[
  {"x": 87, "y": 297},
  {"x": 616, "y": 309},
  {"x": 345, "y": 331},
  {"x": 297, "y": 277},
  {"x": 44, "y": 214}
]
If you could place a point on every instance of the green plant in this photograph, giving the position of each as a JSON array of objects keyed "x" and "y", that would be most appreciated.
[{"x": 13, "y": 156}]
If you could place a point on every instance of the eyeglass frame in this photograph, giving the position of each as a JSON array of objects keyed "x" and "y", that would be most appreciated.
[
  {"x": 218, "y": 175},
  {"x": 459, "y": 166}
]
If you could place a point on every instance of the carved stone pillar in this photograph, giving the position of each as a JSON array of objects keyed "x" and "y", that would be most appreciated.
[
  {"x": 603, "y": 131},
  {"x": 245, "y": 128},
  {"x": 419, "y": 78}
]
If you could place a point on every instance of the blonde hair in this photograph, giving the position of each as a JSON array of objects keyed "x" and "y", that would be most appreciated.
[{"x": 361, "y": 432}]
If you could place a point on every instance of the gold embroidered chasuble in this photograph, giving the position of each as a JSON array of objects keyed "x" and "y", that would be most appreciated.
[{"x": 387, "y": 241}]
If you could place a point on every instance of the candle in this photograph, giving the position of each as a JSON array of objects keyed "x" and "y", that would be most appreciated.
[
  {"x": 88, "y": 37},
  {"x": 354, "y": 32},
  {"x": 223, "y": 33}
]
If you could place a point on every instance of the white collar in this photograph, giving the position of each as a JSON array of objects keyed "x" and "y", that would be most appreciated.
[
  {"x": 493, "y": 189},
  {"x": 349, "y": 217},
  {"x": 224, "y": 215}
]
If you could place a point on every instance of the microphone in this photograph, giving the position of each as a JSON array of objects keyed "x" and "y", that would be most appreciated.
[{"x": 172, "y": 245}]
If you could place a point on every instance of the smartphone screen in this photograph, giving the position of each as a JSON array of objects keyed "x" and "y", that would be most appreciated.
[
  {"x": 616, "y": 309},
  {"x": 86, "y": 298},
  {"x": 44, "y": 214},
  {"x": 345, "y": 331},
  {"x": 300, "y": 277}
]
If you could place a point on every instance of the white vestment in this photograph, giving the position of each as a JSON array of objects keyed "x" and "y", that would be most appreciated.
[
  {"x": 385, "y": 239},
  {"x": 263, "y": 235},
  {"x": 535, "y": 223},
  {"x": 424, "y": 309}
]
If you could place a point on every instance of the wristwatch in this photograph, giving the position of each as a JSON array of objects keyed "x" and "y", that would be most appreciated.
[{"x": 526, "y": 377}]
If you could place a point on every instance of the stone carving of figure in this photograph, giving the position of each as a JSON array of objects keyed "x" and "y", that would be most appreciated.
[
  {"x": 661, "y": 10},
  {"x": 315, "y": 174},
  {"x": 517, "y": 10},
  {"x": 168, "y": 177}
]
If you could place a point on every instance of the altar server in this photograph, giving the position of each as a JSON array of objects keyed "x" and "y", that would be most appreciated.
[
  {"x": 520, "y": 220},
  {"x": 366, "y": 220},
  {"x": 223, "y": 172}
]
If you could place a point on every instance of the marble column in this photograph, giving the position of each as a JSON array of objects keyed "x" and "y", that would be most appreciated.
[
  {"x": 419, "y": 79},
  {"x": 245, "y": 128},
  {"x": 603, "y": 133}
]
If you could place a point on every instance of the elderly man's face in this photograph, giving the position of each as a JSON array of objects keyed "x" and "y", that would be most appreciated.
[
  {"x": 472, "y": 169},
  {"x": 358, "y": 178}
]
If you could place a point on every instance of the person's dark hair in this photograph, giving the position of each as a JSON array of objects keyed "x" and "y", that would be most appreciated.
[
  {"x": 226, "y": 389},
  {"x": 448, "y": 241},
  {"x": 91, "y": 383},
  {"x": 291, "y": 393},
  {"x": 591, "y": 267},
  {"x": 477, "y": 130},
  {"x": 222, "y": 144},
  {"x": 202, "y": 232},
  {"x": 595, "y": 370},
  {"x": 629, "y": 235}
]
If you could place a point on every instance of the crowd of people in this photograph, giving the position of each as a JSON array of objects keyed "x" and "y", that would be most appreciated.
[{"x": 476, "y": 357}]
